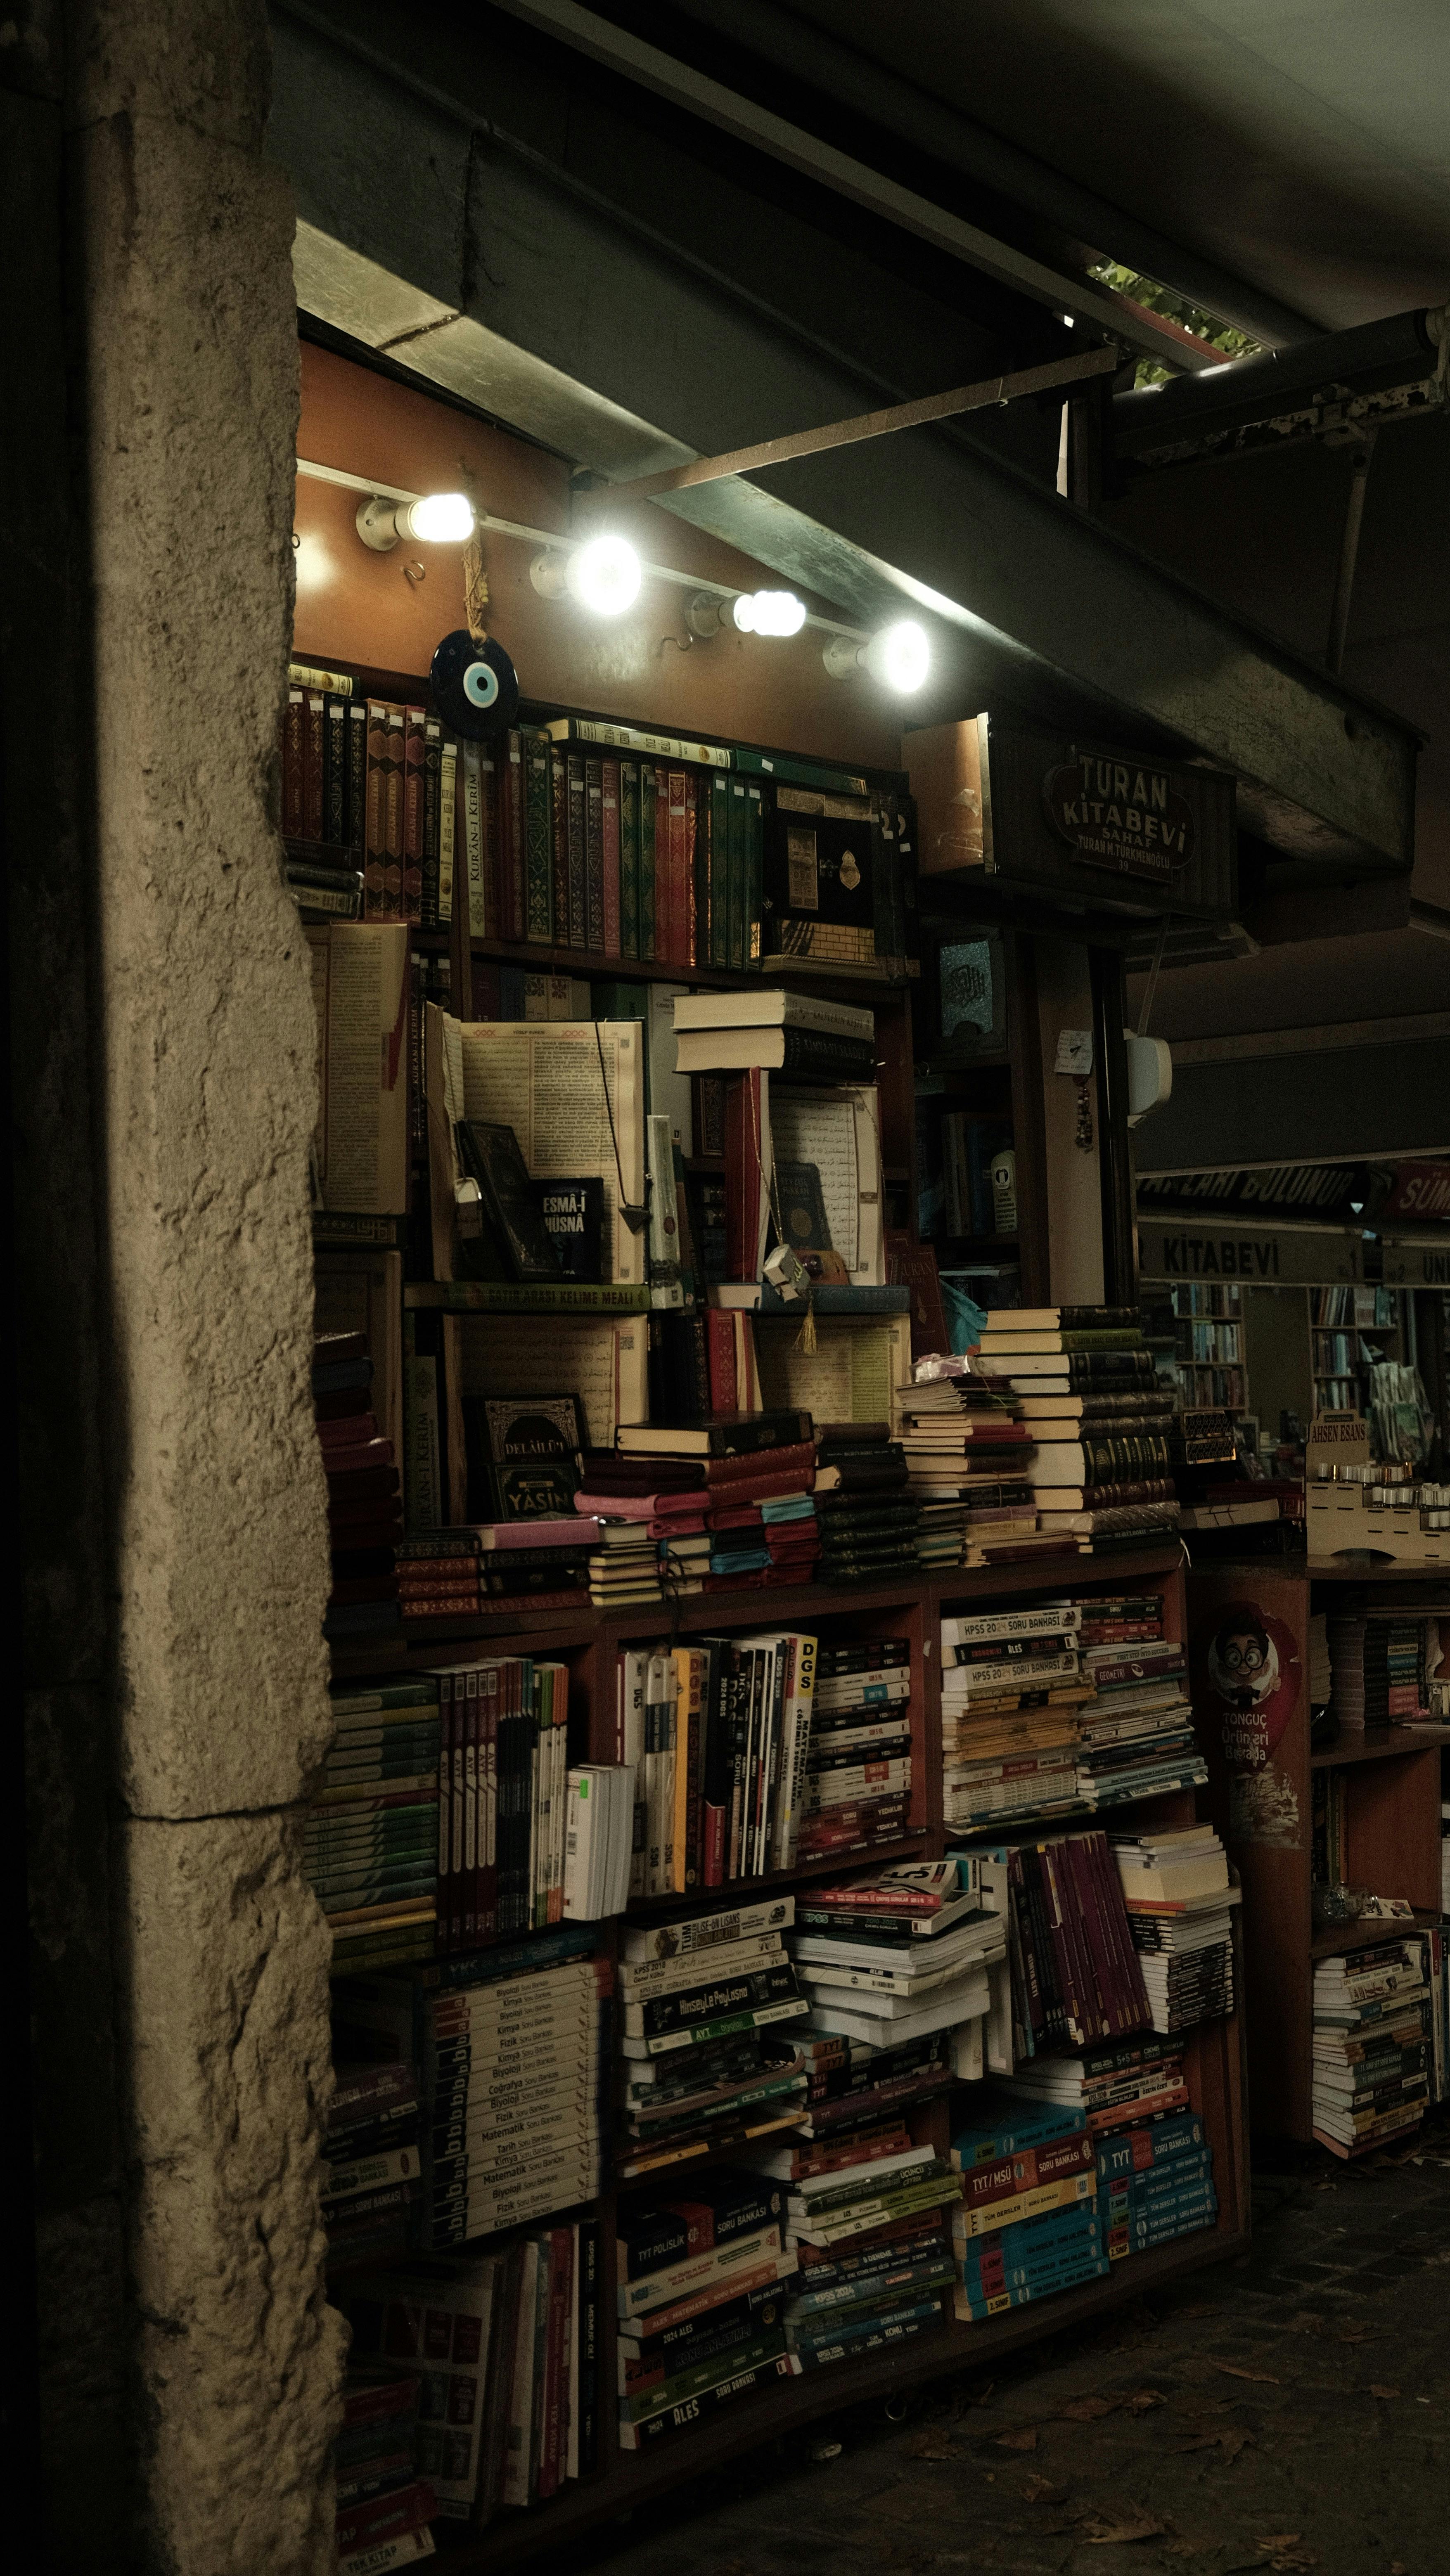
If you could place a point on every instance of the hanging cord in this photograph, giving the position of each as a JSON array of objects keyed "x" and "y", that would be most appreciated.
[
  {"x": 806, "y": 1337},
  {"x": 475, "y": 579},
  {"x": 636, "y": 1218},
  {"x": 1152, "y": 985}
]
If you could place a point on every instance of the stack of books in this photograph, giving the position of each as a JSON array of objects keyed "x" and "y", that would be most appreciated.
[
  {"x": 1136, "y": 1735},
  {"x": 373, "y": 2119},
  {"x": 1012, "y": 1688},
  {"x": 852, "y": 2089},
  {"x": 709, "y": 2057},
  {"x": 727, "y": 2219},
  {"x": 1029, "y": 2223},
  {"x": 454, "y": 1575},
  {"x": 858, "y": 1762},
  {"x": 370, "y": 1837},
  {"x": 699, "y": 2307},
  {"x": 718, "y": 1504},
  {"x": 868, "y": 1534},
  {"x": 383, "y": 2508},
  {"x": 364, "y": 1504},
  {"x": 1372, "y": 2046},
  {"x": 1076, "y": 1980},
  {"x": 968, "y": 1459},
  {"x": 1118, "y": 2085},
  {"x": 719, "y": 1733},
  {"x": 1083, "y": 1388},
  {"x": 859, "y": 2291},
  {"x": 516, "y": 2091},
  {"x": 503, "y": 1799},
  {"x": 1385, "y": 1667},
  {"x": 1155, "y": 2183},
  {"x": 897, "y": 1957},
  {"x": 681, "y": 2360},
  {"x": 1180, "y": 1913}
]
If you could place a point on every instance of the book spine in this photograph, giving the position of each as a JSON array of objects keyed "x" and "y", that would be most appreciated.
[
  {"x": 414, "y": 759},
  {"x": 719, "y": 877},
  {"x": 648, "y": 880},
  {"x": 512, "y": 865},
  {"x": 491, "y": 870},
  {"x": 355, "y": 790},
  {"x": 539, "y": 808},
  {"x": 595, "y": 938},
  {"x": 314, "y": 755},
  {"x": 447, "y": 830},
  {"x": 334, "y": 771},
  {"x": 609, "y": 812},
  {"x": 576, "y": 849},
  {"x": 629, "y": 859},
  {"x": 375, "y": 816},
  {"x": 393, "y": 801},
  {"x": 294, "y": 798},
  {"x": 754, "y": 872},
  {"x": 428, "y": 913},
  {"x": 698, "y": 830}
]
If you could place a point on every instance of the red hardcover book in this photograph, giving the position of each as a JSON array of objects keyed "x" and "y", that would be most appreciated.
[
  {"x": 1083, "y": 1914},
  {"x": 1029, "y": 2167},
  {"x": 747, "y": 1172},
  {"x": 491, "y": 763},
  {"x": 385, "y": 2517},
  {"x": 664, "y": 947},
  {"x": 511, "y": 838},
  {"x": 414, "y": 752},
  {"x": 294, "y": 807},
  {"x": 1129, "y": 1990},
  {"x": 553, "y": 2443},
  {"x": 314, "y": 725},
  {"x": 609, "y": 818},
  {"x": 720, "y": 1356}
]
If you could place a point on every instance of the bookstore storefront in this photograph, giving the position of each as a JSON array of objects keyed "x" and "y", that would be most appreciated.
[{"x": 572, "y": 1012}]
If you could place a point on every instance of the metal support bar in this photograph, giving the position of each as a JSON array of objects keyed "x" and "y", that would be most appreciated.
[
  {"x": 1348, "y": 555},
  {"x": 867, "y": 424}
]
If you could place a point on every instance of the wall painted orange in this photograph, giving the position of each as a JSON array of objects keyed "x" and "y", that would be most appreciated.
[{"x": 356, "y": 606}]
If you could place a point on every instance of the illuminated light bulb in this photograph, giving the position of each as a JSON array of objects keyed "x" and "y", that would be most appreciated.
[
  {"x": 438, "y": 519},
  {"x": 441, "y": 519},
  {"x": 769, "y": 612},
  {"x": 899, "y": 656},
  {"x": 604, "y": 576}
]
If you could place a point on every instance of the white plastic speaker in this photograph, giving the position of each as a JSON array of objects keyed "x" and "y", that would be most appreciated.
[{"x": 1150, "y": 1075}]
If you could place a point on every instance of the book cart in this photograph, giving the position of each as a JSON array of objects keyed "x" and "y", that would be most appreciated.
[
  {"x": 1003, "y": 1081},
  {"x": 1214, "y": 2050}
]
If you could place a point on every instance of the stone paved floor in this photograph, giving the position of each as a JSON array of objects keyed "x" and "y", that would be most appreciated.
[{"x": 1286, "y": 2412}]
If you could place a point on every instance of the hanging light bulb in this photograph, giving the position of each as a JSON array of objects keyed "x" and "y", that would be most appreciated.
[
  {"x": 769, "y": 612},
  {"x": 899, "y": 656},
  {"x": 604, "y": 576},
  {"x": 438, "y": 519}
]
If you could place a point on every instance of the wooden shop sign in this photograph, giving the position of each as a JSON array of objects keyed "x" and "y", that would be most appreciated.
[{"x": 1120, "y": 814}]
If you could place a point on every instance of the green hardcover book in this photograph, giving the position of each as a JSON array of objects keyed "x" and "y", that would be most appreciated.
[
  {"x": 647, "y": 801},
  {"x": 698, "y": 785},
  {"x": 735, "y": 876},
  {"x": 719, "y": 829},
  {"x": 576, "y": 827},
  {"x": 629, "y": 858},
  {"x": 754, "y": 873},
  {"x": 538, "y": 838}
]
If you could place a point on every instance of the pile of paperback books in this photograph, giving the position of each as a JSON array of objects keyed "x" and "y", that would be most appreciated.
[
  {"x": 699, "y": 2308},
  {"x": 709, "y": 2053},
  {"x": 858, "y": 1761},
  {"x": 1028, "y": 2223},
  {"x": 1372, "y": 2044},
  {"x": 898, "y": 1957},
  {"x": 1179, "y": 1906}
]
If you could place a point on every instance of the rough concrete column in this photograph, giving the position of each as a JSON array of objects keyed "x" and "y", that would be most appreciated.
[{"x": 204, "y": 1051}]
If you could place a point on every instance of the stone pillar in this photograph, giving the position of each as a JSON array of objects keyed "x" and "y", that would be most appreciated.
[{"x": 207, "y": 1701}]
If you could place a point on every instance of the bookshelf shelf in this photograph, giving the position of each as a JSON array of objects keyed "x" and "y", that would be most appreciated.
[
  {"x": 1376, "y": 1746},
  {"x": 1337, "y": 1937},
  {"x": 596, "y": 965},
  {"x": 633, "y": 2480}
]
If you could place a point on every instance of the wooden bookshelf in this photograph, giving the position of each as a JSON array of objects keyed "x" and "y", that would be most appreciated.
[
  {"x": 1392, "y": 1828},
  {"x": 1214, "y": 2052}
]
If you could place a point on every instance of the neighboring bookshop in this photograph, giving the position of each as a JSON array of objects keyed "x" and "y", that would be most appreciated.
[{"x": 638, "y": 1812}]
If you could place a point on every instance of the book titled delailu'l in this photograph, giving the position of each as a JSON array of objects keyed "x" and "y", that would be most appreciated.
[{"x": 524, "y": 1455}]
